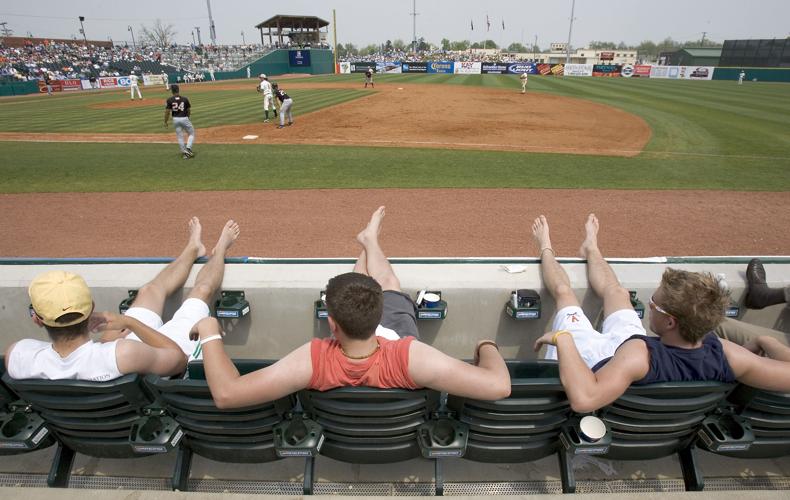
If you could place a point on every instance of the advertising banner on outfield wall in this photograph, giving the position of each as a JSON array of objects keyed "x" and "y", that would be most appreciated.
[
  {"x": 642, "y": 70},
  {"x": 55, "y": 84},
  {"x": 493, "y": 68},
  {"x": 299, "y": 57},
  {"x": 108, "y": 82},
  {"x": 696, "y": 72},
  {"x": 578, "y": 70},
  {"x": 522, "y": 67},
  {"x": 388, "y": 67},
  {"x": 467, "y": 68},
  {"x": 664, "y": 72},
  {"x": 414, "y": 67},
  {"x": 153, "y": 80},
  {"x": 440, "y": 67},
  {"x": 344, "y": 67},
  {"x": 627, "y": 70},
  {"x": 361, "y": 67},
  {"x": 608, "y": 70},
  {"x": 71, "y": 85}
]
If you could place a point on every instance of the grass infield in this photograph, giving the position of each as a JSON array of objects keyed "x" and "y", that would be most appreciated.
[{"x": 706, "y": 135}]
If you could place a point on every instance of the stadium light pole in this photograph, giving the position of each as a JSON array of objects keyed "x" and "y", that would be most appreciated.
[
  {"x": 197, "y": 28},
  {"x": 134, "y": 45},
  {"x": 243, "y": 41},
  {"x": 82, "y": 29},
  {"x": 570, "y": 31},
  {"x": 211, "y": 31},
  {"x": 414, "y": 26}
]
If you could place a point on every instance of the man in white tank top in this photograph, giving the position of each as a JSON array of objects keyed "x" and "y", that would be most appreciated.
[{"x": 137, "y": 342}]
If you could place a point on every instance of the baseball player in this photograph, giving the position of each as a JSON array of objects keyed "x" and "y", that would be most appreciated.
[
  {"x": 133, "y": 85},
  {"x": 265, "y": 87},
  {"x": 180, "y": 108},
  {"x": 524, "y": 78},
  {"x": 741, "y": 76},
  {"x": 285, "y": 106},
  {"x": 164, "y": 79},
  {"x": 369, "y": 78}
]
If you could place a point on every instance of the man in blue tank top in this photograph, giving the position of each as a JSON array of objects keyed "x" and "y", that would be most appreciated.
[{"x": 684, "y": 310}]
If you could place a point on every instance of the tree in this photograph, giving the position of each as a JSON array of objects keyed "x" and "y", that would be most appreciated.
[
  {"x": 596, "y": 45},
  {"x": 647, "y": 50},
  {"x": 422, "y": 45},
  {"x": 159, "y": 35},
  {"x": 388, "y": 46},
  {"x": 369, "y": 50},
  {"x": 445, "y": 44},
  {"x": 516, "y": 47},
  {"x": 460, "y": 45},
  {"x": 399, "y": 45}
]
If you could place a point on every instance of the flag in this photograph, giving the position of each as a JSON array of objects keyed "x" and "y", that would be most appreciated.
[
  {"x": 488, "y": 23},
  {"x": 503, "y": 24},
  {"x": 472, "y": 23}
]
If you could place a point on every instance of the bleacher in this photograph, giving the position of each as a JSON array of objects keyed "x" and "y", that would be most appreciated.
[{"x": 679, "y": 436}]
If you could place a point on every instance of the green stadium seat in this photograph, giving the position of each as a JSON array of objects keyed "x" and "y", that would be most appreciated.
[
  {"x": 244, "y": 435},
  {"x": 92, "y": 418},
  {"x": 372, "y": 426},
  {"x": 20, "y": 428}
]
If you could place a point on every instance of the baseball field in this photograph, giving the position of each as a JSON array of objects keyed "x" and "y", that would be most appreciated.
[{"x": 463, "y": 162}]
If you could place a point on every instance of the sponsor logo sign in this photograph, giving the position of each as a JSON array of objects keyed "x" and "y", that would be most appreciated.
[
  {"x": 153, "y": 80},
  {"x": 696, "y": 72},
  {"x": 440, "y": 67},
  {"x": 662, "y": 71},
  {"x": 57, "y": 86},
  {"x": 607, "y": 56},
  {"x": 609, "y": 70},
  {"x": 414, "y": 67},
  {"x": 493, "y": 68},
  {"x": 388, "y": 67},
  {"x": 544, "y": 69},
  {"x": 518, "y": 68},
  {"x": 123, "y": 81},
  {"x": 627, "y": 70},
  {"x": 345, "y": 67},
  {"x": 642, "y": 70},
  {"x": 299, "y": 57},
  {"x": 558, "y": 69},
  {"x": 578, "y": 70},
  {"x": 71, "y": 84},
  {"x": 108, "y": 82},
  {"x": 467, "y": 68},
  {"x": 362, "y": 67}
]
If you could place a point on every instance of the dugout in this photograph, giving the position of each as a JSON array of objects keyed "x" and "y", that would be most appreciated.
[{"x": 293, "y": 30}]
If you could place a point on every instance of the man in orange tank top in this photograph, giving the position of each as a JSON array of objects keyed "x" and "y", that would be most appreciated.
[{"x": 358, "y": 304}]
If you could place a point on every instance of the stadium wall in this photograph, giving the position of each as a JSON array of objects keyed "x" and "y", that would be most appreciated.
[
  {"x": 18, "y": 88},
  {"x": 761, "y": 74},
  {"x": 279, "y": 62},
  {"x": 282, "y": 295}
]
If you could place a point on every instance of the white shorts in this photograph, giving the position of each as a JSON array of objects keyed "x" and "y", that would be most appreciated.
[
  {"x": 592, "y": 345},
  {"x": 177, "y": 329},
  {"x": 268, "y": 101}
]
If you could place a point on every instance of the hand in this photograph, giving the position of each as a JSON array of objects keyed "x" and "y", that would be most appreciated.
[
  {"x": 106, "y": 320},
  {"x": 204, "y": 328},
  {"x": 544, "y": 339}
]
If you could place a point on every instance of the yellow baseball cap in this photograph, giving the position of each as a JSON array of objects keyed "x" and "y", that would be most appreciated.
[{"x": 56, "y": 293}]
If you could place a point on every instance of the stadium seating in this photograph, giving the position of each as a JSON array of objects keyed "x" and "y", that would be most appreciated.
[
  {"x": 522, "y": 427},
  {"x": 92, "y": 418},
  {"x": 21, "y": 429},
  {"x": 372, "y": 426},
  {"x": 658, "y": 420},
  {"x": 245, "y": 435}
]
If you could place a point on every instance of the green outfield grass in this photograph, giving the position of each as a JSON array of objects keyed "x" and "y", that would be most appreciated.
[{"x": 706, "y": 135}]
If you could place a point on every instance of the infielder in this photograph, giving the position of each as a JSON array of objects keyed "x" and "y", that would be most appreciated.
[
  {"x": 268, "y": 99},
  {"x": 180, "y": 108},
  {"x": 524, "y": 78},
  {"x": 285, "y": 106},
  {"x": 369, "y": 77},
  {"x": 133, "y": 85}
]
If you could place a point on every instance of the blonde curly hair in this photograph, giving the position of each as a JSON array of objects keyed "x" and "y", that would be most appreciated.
[{"x": 695, "y": 299}]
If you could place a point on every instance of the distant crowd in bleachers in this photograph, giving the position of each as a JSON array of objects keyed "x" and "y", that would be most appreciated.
[{"x": 434, "y": 55}]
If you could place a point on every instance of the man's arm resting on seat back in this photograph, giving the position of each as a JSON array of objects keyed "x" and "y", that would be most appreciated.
[
  {"x": 490, "y": 380},
  {"x": 588, "y": 391},
  {"x": 756, "y": 371},
  {"x": 231, "y": 390}
]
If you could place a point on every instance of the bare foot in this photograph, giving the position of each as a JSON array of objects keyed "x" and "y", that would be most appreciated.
[
  {"x": 230, "y": 233},
  {"x": 540, "y": 230},
  {"x": 591, "y": 235},
  {"x": 195, "y": 232},
  {"x": 372, "y": 230}
]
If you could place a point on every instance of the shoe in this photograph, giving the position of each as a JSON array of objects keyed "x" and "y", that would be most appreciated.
[
  {"x": 266, "y": 121},
  {"x": 189, "y": 152},
  {"x": 279, "y": 126},
  {"x": 186, "y": 156},
  {"x": 756, "y": 293},
  {"x": 290, "y": 123}
]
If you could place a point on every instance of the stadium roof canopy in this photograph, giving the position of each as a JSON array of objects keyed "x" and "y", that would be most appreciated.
[{"x": 299, "y": 29}]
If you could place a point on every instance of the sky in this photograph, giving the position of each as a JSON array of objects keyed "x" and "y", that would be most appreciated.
[{"x": 363, "y": 22}]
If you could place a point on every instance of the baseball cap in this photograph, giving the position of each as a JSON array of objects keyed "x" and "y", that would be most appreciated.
[
  {"x": 262, "y": 75},
  {"x": 56, "y": 293}
]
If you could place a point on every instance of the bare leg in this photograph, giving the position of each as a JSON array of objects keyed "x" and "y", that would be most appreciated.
[
  {"x": 361, "y": 265},
  {"x": 600, "y": 273},
  {"x": 378, "y": 266},
  {"x": 554, "y": 276},
  {"x": 152, "y": 295},
  {"x": 210, "y": 277}
]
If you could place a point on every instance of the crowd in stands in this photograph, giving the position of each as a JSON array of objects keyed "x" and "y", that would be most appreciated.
[{"x": 478, "y": 55}]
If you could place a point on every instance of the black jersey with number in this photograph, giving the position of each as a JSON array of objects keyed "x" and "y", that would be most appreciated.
[
  {"x": 178, "y": 106},
  {"x": 281, "y": 95}
]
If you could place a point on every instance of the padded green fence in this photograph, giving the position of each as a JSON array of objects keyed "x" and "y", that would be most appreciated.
[
  {"x": 276, "y": 63},
  {"x": 761, "y": 74},
  {"x": 18, "y": 88}
]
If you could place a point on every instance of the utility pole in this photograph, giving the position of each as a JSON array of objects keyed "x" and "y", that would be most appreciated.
[
  {"x": 134, "y": 44},
  {"x": 212, "y": 31},
  {"x": 197, "y": 28},
  {"x": 243, "y": 41},
  {"x": 535, "y": 48},
  {"x": 570, "y": 31},
  {"x": 334, "y": 38},
  {"x": 702, "y": 42},
  {"x": 6, "y": 31},
  {"x": 414, "y": 26},
  {"x": 82, "y": 30}
]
